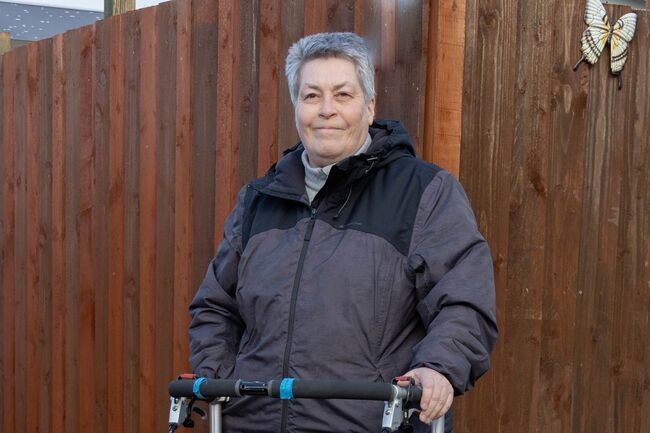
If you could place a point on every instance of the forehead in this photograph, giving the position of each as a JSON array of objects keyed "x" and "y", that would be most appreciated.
[{"x": 328, "y": 72}]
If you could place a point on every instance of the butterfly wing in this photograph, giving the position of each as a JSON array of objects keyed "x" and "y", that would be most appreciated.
[
  {"x": 595, "y": 13},
  {"x": 595, "y": 36},
  {"x": 622, "y": 34}
]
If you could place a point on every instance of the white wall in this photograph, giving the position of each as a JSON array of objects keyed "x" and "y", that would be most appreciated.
[{"x": 84, "y": 5}]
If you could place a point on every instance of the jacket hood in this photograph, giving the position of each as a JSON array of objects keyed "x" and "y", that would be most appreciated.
[{"x": 390, "y": 141}]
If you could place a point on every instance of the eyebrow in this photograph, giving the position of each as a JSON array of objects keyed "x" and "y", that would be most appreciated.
[{"x": 336, "y": 87}]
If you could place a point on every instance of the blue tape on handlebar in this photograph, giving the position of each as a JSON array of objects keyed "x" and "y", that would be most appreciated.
[
  {"x": 196, "y": 388},
  {"x": 286, "y": 389}
]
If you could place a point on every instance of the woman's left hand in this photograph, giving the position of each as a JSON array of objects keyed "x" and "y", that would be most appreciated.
[{"x": 437, "y": 393}]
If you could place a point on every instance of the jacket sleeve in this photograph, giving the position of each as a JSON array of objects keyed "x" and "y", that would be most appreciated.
[
  {"x": 216, "y": 326},
  {"x": 452, "y": 268}
]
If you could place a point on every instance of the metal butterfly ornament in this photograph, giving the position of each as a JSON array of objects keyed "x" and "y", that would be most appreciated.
[{"x": 599, "y": 33}]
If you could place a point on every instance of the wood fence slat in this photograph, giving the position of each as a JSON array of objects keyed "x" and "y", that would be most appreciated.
[
  {"x": 5, "y": 42},
  {"x": 227, "y": 133},
  {"x": 32, "y": 199},
  {"x": 269, "y": 76},
  {"x": 394, "y": 31},
  {"x": 485, "y": 171},
  {"x": 388, "y": 44},
  {"x": 339, "y": 15},
  {"x": 3, "y": 360},
  {"x": 44, "y": 273},
  {"x": 292, "y": 25},
  {"x": 248, "y": 72},
  {"x": 431, "y": 83},
  {"x": 642, "y": 139},
  {"x": 529, "y": 193},
  {"x": 131, "y": 336},
  {"x": 565, "y": 186},
  {"x": 627, "y": 356},
  {"x": 100, "y": 229},
  {"x": 8, "y": 240},
  {"x": 204, "y": 107},
  {"x": 315, "y": 13},
  {"x": 409, "y": 75},
  {"x": 183, "y": 289},
  {"x": 633, "y": 384},
  {"x": 444, "y": 85},
  {"x": 71, "y": 70},
  {"x": 368, "y": 24},
  {"x": 147, "y": 217},
  {"x": 85, "y": 223},
  {"x": 116, "y": 227},
  {"x": 593, "y": 313},
  {"x": 58, "y": 330},
  {"x": 20, "y": 139},
  {"x": 163, "y": 290}
]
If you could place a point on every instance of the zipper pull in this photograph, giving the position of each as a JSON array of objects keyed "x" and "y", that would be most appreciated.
[{"x": 310, "y": 226}]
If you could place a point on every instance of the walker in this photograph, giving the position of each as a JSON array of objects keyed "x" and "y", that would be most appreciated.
[{"x": 400, "y": 402}]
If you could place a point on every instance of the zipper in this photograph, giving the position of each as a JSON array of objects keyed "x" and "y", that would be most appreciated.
[{"x": 292, "y": 312}]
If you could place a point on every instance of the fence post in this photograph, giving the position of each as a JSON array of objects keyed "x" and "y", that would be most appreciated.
[
  {"x": 116, "y": 7},
  {"x": 5, "y": 42}
]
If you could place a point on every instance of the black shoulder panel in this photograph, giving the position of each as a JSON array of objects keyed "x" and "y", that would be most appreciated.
[
  {"x": 264, "y": 212},
  {"x": 384, "y": 203}
]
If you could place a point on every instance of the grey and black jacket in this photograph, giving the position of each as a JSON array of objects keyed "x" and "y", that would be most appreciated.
[{"x": 384, "y": 271}]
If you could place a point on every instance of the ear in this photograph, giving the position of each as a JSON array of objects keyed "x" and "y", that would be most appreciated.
[{"x": 371, "y": 111}]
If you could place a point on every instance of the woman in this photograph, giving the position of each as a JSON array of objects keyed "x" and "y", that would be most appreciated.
[{"x": 350, "y": 260}]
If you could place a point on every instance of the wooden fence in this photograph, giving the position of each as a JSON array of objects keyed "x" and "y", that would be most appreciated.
[
  {"x": 122, "y": 146},
  {"x": 557, "y": 164}
]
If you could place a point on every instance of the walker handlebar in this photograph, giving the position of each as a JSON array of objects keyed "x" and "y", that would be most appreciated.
[{"x": 209, "y": 389}]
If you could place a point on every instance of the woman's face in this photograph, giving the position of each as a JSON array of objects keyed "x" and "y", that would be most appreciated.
[{"x": 332, "y": 117}]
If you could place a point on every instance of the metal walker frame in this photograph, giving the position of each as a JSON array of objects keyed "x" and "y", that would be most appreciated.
[{"x": 400, "y": 402}]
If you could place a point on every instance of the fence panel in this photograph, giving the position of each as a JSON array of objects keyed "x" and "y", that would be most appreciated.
[
  {"x": 556, "y": 163},
  {"x": 123, "y": 147}
]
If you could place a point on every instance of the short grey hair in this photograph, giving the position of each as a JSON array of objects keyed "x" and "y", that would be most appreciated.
[{"x": 343, "y": 45}]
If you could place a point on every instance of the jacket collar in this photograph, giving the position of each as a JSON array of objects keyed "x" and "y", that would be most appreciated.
[{"x": 286, "y": 178}]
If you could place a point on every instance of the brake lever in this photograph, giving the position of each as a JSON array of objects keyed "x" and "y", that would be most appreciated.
[{"x": 398, "y": 411}]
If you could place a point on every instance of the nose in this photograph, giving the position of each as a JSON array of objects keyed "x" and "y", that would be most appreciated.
[{"x": 326, "y": 109}]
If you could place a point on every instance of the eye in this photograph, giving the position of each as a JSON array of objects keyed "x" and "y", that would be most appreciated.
[
  {"x": 309, "y": 96},
  {"x": 343, "y": 95}
]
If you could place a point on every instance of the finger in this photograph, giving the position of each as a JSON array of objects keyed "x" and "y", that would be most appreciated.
[
  {"x": 437, "y": 409},
  {"x": 442, "y": 399},
  {"x": 427, "y": 394},
  {"x": 427, "y": 415},
  {"x": 442, "y": 407},
  {"x": 427, "y": 401},
  {"x": 448, "y": 403}
]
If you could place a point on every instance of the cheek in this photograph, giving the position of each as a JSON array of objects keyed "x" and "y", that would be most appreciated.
[
  {"x": 358, "y": 119},
  {"x": 303, "y": 117}
]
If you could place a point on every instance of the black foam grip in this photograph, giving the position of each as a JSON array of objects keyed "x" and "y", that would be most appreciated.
[
  {"x": 414, "y": 396},
  {"x": 181, "y": 388},
  {"x": 210, "y": 389},
  {"x": 336, "y": 390},
  {"x": 213, "y": 388}
]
